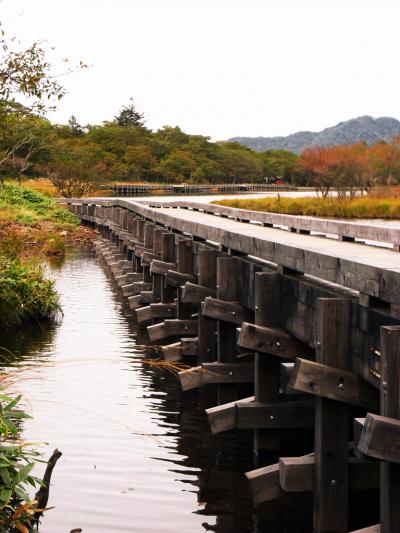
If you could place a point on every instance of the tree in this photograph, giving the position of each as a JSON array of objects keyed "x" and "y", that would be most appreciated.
[
  {"x": 280, "y": 163},
  {"x": 22, "y": 136},
  {"x": 75, "y": 127},
  {"x": 28, "y": 72},
  {"x": 129, "y": 116},
  {"x": 78, "y": 167},
  {"x": 138, "y": 159},
  {"x": 240, "y": 164}
]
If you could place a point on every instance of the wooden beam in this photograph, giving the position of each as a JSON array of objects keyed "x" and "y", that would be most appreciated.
[
  {"x": 193, "y": 293},
  {"x": 223, "y": 417},
  {"x": 380, "y": 438},
  {"x": 334, "y": 383},
  {"x": 172, "y": 352},
  {"x": 209, "y": 373},
  {"x": 296, "y": 474},
  {"x": 161, "y": 267},
  {"x": 190, "y": 346},
  {"x": 274, "y": 341},
  {"x": 264, "y": 483},
  {"x": 170, "y": 328},
  {"x": 143, "y": 314},
  {"x": 176, "y": 279},
  {"x": 160, "y": 310},
  {"x": 138, "y": 300},
  {"x": 231, "y": 312},
  {"x": 276, "y": 415}
]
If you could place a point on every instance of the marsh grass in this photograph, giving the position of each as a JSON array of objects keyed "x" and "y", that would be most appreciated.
[
  {"x": 25, "y": 294},
  {"x": 332, "y": 207}
]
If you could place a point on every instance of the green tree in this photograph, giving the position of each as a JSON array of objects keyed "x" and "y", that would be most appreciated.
[
  {"x": 129, "y": 116},
  {"x": 75, "y": 127}
]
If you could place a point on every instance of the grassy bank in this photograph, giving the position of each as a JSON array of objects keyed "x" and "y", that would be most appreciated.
[
  {"x": 32, "y": 226},
  {"x": 365, "y": 207}
]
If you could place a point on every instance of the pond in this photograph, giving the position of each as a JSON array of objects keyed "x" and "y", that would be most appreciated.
[{"x": 137, "y": 453}]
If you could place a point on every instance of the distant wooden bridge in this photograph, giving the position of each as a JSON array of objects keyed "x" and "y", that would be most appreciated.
[
  {"x": 291, "y": 324},
  {"x": 185, "y": 189}
]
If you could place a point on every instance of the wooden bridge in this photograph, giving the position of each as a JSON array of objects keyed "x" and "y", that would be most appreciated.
[
  {"x": 130, "y": 189},
  {"x": 291, "y": 325}
]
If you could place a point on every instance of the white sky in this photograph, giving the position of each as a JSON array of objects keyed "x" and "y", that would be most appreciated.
[{"x": 221, "y": 67}]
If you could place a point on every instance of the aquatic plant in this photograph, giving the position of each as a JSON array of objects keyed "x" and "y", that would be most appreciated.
[
  {"x": 25, "y": 293},
  {"x": 17, "y": 460}
]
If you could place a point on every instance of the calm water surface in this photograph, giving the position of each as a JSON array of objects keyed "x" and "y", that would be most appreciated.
[{"x": 137, "y": 453}]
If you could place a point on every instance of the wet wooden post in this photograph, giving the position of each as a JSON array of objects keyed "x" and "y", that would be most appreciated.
[
  {"x": 267, "y": 368},
  {"x": 168, "y": 254},
  {"x": 156, "y": 278},
  {"x": 390, "y": 407},
  {"x": 331, "y": 421},
  {"x": 148, "y": 241},
  {"x": 184, "y": 265},
  {"x": 140, "y": 241},
  {"x": 207, "y": 329},
  {"x": 227, "y": 289}
]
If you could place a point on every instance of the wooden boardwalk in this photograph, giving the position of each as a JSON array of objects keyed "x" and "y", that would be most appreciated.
[{"x": 285, "y": 332}]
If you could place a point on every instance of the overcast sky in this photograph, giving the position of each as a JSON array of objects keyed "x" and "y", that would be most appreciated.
[{"x": 221, "y": 67}]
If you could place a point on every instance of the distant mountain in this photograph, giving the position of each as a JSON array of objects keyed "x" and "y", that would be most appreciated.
[{"x": 364, "y": 128}]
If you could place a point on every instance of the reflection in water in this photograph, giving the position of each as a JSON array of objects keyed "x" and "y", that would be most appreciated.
[{"x": 137, "y": 453}]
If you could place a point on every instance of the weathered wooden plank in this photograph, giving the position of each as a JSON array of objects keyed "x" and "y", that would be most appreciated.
[
  {"x": 231, "y": 312},
  {"x": 193, "y": 293},
  {"x": 390, "y": 407},
  {"x": 274, "y": 341},
  {"x": 161, "y": 267},
  {"x": 190, "y": 346},
  {"x": 264, "y": 483},
  {"x": 223, "y": 417},
  {"x": 148, "y": 257},
  {"x": 170, "y": 328},
  {"x": 161, "y": 310},
  {"x": 331, "y": 422},
  {"x": 380, "y": 438},
  {"x": 139, "y": 286},
  {"x": 334, "y": 383},
  {"x": 296, "y": 474},
  {"x": 144, "y": 315},
  {"x": 172, "y": 352},
  {"x": 276, "y": 415},
  {"x": 176, "y": 279},
  {"x": 209, "y": 373}
]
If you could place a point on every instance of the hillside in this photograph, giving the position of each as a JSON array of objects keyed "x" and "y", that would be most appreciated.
[{"x": 363, "y": 128}]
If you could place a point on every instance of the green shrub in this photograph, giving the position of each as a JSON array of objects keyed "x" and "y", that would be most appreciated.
[
  {"x": 25, "y": 294},
  {"x": 17, "y": 510}
]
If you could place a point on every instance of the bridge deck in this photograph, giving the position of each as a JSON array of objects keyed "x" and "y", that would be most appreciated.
[{"x": 368, "y": 269}]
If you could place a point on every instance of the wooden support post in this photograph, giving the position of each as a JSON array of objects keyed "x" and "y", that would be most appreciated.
[
  {"x": 148, "y": 243},
  {"x": 168, "y": 255},
  {"x": 207, "y": 328},
  {"x": 390, "y": 407},
  {"x": 331, "y": 422},
  {"x": 267, "y": 369},
  {"x": 157, "y": 279},
  {"x": 227, "y": 289},
  {"x": 184, "y": 265}
]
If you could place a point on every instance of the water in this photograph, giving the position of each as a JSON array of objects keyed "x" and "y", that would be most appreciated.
[{"x": 137, "y": 453}]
